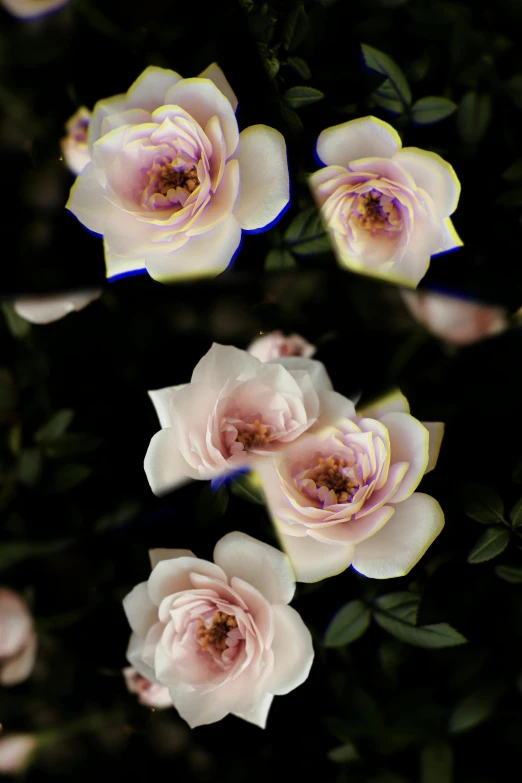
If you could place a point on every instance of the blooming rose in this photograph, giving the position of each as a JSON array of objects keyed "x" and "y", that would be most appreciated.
[
  {"x": 30, "y": 9},
  {"x": 346, "y": 496},
  {"x": 75, "y": 148},
  {"x": 17, "y": 639},
  {"x": 44, "y": 309},
  {"x": 235, "y": 409},
  {"x": 15, "y": 753},
  {"x": 149, "y": 693},
  {"x": 386, "y": 208},
  {"x": 455, "y": 320},
  {"x": 172, "y": 182},
  {"x": 219, "y": 635},
  {"x": 275, "y": 345}
]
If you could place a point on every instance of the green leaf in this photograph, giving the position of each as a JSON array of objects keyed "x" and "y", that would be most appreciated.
[
  {"x": 403, "y": 605},
  {"x": 473, "y": 116},
  {"x": 55, "y": 427},
  {"x": 490, "y": 544},
  {"x": 511, "y": 574},
  {"x": 428, "y": 636},
  {"x": 297, "y": 97},
  {"x": 68, "y": 477},
  {"x": 29, "y": 466},
  {"x": 348, "y": 624},
  {"x": 386, "y": 97},
  {"x": 472, "y": 711},
  {"x": 514, "y": 172},
  {"x": 482, "y": 504},
  {"x": 246, "y": 489},
  {"x": 313, "y": 247},
  {"x": 306, "y": 235},
  {"x": 512, "y": 198},
  {"x": 516, "y": 514},
  {"x": 298, "y": 228},
  {"x": 432, "y": 109},
  {"x": 300, "y": 66},
  {"x": 296, "y": 28},
  {"x": 271, "y": 66},
  {"x": 381, "y": 63},
  {"x": 437, "y": 763},
  {"x": 72, "y": 444},
  {"x": 16, "y": 551},
  {"x": 344, "y": 754},
  {"x": 279, "y": 258},
  {"x": 17, "y": 326}
]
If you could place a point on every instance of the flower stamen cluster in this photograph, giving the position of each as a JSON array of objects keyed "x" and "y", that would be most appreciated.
[{"x": 214, "y": 636}]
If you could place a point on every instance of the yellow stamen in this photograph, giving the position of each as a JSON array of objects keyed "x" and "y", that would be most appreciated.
[
  {"x": 215, "y": 637},
  {"x": 257, "y": 436}
]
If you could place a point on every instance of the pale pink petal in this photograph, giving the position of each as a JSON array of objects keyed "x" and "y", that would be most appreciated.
[
  {"x": 161, "y": 400},
  {"x": 87, "y": 202},
  {"x": 104, "y": 108},
  {"x": 401, "y": 543},
  {"x": 200, "y": 709},
  {"x": 313, "y": 561},
  {"x": 434, "y": 175},
  {"x": 293, "y": 651},
  {"x": 216, "y": 75},
  {"x": 45, "y": 309},
  {"x": 354, "y": 530},
  {"x": 258, "y": 716},
  {"x": 409, "y": 441},
  {"x": 141, "y": 612},
  {"x": 361, "y": 138},
  {"x": 165, "y": 467},
  {"x": 261, "y": 565},
  {"x": 157, "y": 555},
  {"x": 450, "y": 240},
  {"x": 172, "y": 576},
  {"x": 16, "y": 749},
  {"x": 134, "y": 657},
  {"x": 116, "y": 265},
  {"x": 149, "y": 90},
  {"x": 265, "y": 186},
  {"x": 18, "y": 668},
  {"x": 393, "y": 402},
  {"x": 316, "y": 370},
  {"x": 436, "y": 432},
  {"x": 222, "y": 362}
]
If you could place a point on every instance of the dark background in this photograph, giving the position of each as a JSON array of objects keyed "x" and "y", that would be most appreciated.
[{"x": 81, "y": 507}]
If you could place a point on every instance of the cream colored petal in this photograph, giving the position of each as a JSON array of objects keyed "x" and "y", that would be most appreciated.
[
  {"x": 362, "y": 138},
  {"x": 312, "y": 560},
  {"x": 118, "y": 266},
  {"x": 434, "y": 175},
  {"x": 150, "y": 88},
  {"x": 436, "y": 431},
  {"x": 216, "y": 75},
  {"x": 394, "y": 401}
]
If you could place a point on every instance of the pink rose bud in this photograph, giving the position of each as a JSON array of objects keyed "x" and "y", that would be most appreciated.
[
  {"x": 31, "y": 9},
  {"x": 15, "y": 753},
  {"x": 149, "y": 694},
  {"x": 17, "y": 638},
  {"x": 45, "y": 309},
  {"x": 236, "y": 410},
  {"x": 386, "y": 208},
  {"x": 455, "y": 320},
  {"x": 346, "y": 495},
  {"x": 75, "y": 148},
  {"x": 220, "y": 636},
  {"x": 275, "y": 345}
]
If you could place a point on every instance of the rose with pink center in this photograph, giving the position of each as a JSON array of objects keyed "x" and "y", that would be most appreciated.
[
  {"x": 275, "y": 345},
  {"x": 386, "y": 208},
  {"x": 346, "y": 496},
  {"x": 172, "y": 183},
  {"x": 220, "y": 636}
]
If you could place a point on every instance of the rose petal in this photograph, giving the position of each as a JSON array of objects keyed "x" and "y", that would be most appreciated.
[
  {"x": 450, "y": 239},
  {"x": 293, "y": 651},
  {"x": 104, "y": 108},
  {"x": 409, "y": 441},
  {"x": 436, "y": 432},
  {"x": 165, "y": 467},
  {"x": 260, "y": 714},
  {"x": 150, "y": 88},
  {"x": 434, "y": 175},
  {"x": 134, "y": 657},
  {"x": 118, "y": 265},
  {"x": 216, "y": 75},
  {"x": 173, "y": 576},
  {"x": 141, "y": 612},
  {"x": 157, "y": 555},
  {"x": 395, "y": 401},
  {"x": 45, "y": 309},
  {"x": 361, "y": 138},
  {"x": 313, "y": 561}
]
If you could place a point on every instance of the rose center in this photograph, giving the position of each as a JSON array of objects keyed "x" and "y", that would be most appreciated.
[
  {"x": 169, "y": 178},
  {"x": 254, "y": 435},
  {"x": 214, "y": 637},
  {"x": 329, "y": 473},
  {"x": 374, "y": 215}
]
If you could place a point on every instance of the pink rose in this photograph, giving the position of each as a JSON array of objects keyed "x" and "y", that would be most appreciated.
[
  {"x": 45, "y": 309},
  {"x": 30, "y": 9},
  {"x": 346, "y": 496},
  {"x": 236, "y": 409},
  {"x": 275, "y": 345},
  {"x": 75, "y": 149},
  {"x": 455, "y": 320},
  {"x": 172, "y": 182},
  {"x": 149, "y": 693},
  {"x": 220, "y": 635},
  {"x": 15, "y": 753},
  {"x": 386, "y": 209},
  {"x": 17, "y": 639}
]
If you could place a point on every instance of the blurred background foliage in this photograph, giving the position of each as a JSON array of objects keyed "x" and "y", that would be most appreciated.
[{"x": 387, "y": 701}]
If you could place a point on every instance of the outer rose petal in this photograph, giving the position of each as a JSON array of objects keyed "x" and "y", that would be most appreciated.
[
  {"x": 165, "y": 467},
  {"x": 395, "y": 401},
  {"x": 315, "y": 369},
  {"x": 161, "y": 401},
  {"x": 150, "y": 88},
  {"x": 313, "y": 561},
  {"x": 401, "y": 543},
  {"x": 434, "y": 175},
  {"x": 104, "y": 108},
  {"x": 203, "y": 255},
  {"x": 259, "y": 564},
  {"x": 134, "y": 657},
  {"x": 173, "y": 576},
  {"x": 222, "y": 362},
  {"x": 409, "y": 442},
  {"x": 362, "y": 138},
  {"x": 45, "y": 309},
  {"x": 31, "y": 9},
  {"x": 116, "y": 265},
  {"x": 265, "y": 185},
  {"x": 450, "y": 238},
  {"x": 19, "y": 668},
  {"x": 15, "y": 753},
  {"x": 157, "y": 555},
  {"x": 141, "y": 612},
  {"x": 201, "y": 708},
  {"x": 259, "y": 715},
  {"x": 436, "y": 431},
  {"x": 216, "y": 75},
  {"x": 293, "y": 651},
  {"x": 85, "y": 202}
]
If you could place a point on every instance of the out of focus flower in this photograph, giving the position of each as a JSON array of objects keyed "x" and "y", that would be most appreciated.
[
  {"x": 31, "y": 9},
  {"x": 236, "y": 410},
  {"x": 75, "y": 149},
  {"x": 172, "y": 182},
  {"x": 149, "y": 693},
  {"x": 219, "y": 635},
  {"x": 15, "y": 753},
  {"x": 386, "y": 209},
  {"x": 455, "y": 320},
  {"x": 45, "y": 309},
  {"x": 346, "y": 496},
  {"x": 17, "y": 638},
  {"x": 275, "y": 345}
]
